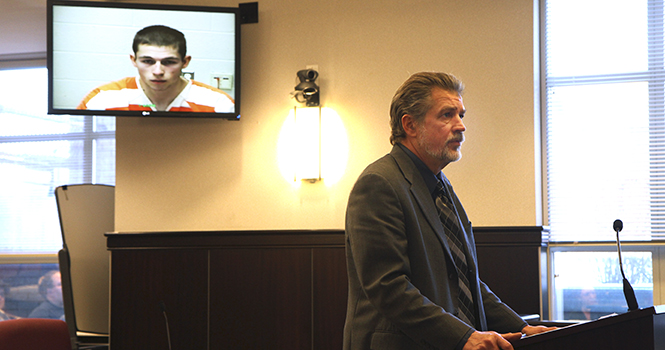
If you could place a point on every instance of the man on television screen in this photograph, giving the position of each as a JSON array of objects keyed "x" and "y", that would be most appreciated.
[{"x": 160, "y": 55}]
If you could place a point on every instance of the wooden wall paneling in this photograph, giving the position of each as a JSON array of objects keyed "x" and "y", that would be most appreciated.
[
  {"x": 512, "y": 275},
  {"x": 260, "y": 298},
  {"x": 330, "y": 287},
  {"x": 179, "y": 279},
  {"x": 510, "y": 263}
]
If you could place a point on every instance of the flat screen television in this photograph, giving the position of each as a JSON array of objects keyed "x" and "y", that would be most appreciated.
[{"x": 93, "y": 69}]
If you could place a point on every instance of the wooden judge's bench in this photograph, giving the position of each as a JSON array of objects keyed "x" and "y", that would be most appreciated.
[{"x": 282, "y": 289}]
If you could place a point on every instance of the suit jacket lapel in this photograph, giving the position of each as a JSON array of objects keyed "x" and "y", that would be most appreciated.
[{"x": 421, "y": 195}]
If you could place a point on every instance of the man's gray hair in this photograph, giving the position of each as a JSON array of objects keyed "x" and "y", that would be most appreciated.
[{"x": 414, "y": 98}]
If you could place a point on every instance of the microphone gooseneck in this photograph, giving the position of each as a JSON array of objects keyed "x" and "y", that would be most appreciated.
[
  {"x": 628, "y": 291},
  {"x": 162, "y": 307}
]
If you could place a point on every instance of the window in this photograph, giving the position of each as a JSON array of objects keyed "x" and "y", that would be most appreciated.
[
  {"x": 39, "y": 152},
  {"x": 588, "y": 283},
  {"x": 605, "y": 149}
]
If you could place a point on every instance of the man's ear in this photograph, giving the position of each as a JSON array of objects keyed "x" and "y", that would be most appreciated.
[
  {"x": 409, "y": 125},
  {"x": 185, "y": 61},
  {"x": 133, "y": 59}
]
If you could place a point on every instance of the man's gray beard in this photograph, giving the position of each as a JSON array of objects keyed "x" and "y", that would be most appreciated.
[{"x": 443, "y": 154}]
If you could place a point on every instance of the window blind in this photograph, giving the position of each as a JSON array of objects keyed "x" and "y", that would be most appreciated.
[
  {"x": 39, "y": 152},
  {"x": 604, "y": 119}
]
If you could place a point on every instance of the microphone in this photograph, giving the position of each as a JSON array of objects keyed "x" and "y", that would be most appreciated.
[
  {"x": 162, "y": 306},
  {"x": 628, "y": 291}
]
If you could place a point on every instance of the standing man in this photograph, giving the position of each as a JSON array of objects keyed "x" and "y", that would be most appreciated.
[
  {"x": 411, "y": 255},
  {"x": 160, "y": 55}
]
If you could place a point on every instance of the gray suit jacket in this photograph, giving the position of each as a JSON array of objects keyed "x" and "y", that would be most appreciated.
[{"x": 402, "y": 280}]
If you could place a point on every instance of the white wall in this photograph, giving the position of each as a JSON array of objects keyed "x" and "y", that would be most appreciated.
[
  {"x": 178, "y": 174},
  {"x": 23, "y": 26}
]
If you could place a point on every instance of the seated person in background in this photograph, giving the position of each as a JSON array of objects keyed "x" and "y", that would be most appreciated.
[
  {"x": 589, "y": 307},
  {"x": 159, "y": 56},
  {"x": 4, "y": 291},
  {"x": 50, "y": 287}
]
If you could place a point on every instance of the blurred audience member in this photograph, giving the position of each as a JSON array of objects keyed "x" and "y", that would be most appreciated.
[
  {"x": 50, "y": 288},
  {"x": 4, "y": 291},
  {"x": 589, "y": 302}
]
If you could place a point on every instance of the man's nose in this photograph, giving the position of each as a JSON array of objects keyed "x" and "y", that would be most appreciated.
[
  {"x": 157, "y": 69},
  {"x": 459, "y": 123}
]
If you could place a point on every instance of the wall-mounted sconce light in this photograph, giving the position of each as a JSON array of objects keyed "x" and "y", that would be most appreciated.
[
  {"x": 308, "y": 154},
  {"x": 308, "y": 126},
  {"x": 307, "y": 91},
  {"x": 299, "y": 157},
  {"x": 313, "y": 145}
]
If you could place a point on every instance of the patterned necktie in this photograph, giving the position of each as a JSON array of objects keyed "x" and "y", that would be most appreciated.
[{"x": 455, "y": 242}]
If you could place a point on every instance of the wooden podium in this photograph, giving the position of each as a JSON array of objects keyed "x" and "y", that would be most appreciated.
[{"x": 641, "y": 329}]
